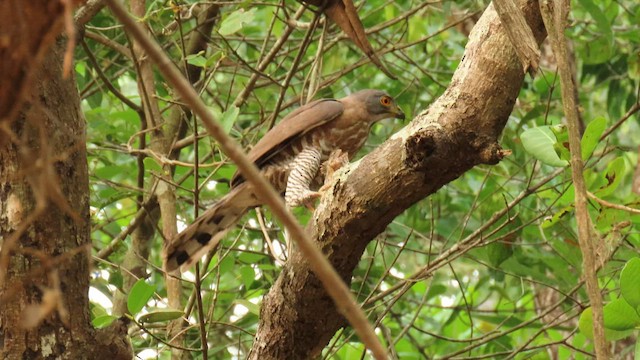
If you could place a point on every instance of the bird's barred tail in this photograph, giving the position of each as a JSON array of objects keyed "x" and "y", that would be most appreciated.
[{"x": 205, "y": 233}]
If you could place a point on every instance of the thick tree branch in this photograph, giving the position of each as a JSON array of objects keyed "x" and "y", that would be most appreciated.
[
  {"x": 520, "y": 34},
  {"x": 460, "y": 130},
  {"x": 87, "y": 12}
]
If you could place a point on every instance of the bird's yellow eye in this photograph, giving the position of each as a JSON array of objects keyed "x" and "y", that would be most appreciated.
[{"x": 385, "y": 101}]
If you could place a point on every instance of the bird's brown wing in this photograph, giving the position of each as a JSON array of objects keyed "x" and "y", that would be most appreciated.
[{"x": 294, "y": 125}]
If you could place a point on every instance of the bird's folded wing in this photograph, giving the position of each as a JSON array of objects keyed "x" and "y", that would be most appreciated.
[{"x": 294, "y": 125}]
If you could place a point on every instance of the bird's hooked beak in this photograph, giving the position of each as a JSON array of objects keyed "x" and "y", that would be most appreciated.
[{"x": 397, "y": 112}]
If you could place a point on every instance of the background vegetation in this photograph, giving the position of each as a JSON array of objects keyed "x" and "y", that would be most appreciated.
[{"x": 514, "y": 291}]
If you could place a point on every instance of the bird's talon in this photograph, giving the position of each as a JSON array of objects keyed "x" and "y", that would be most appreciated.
[
  {"x": 305, "y": 200},
  {"x": 324, "y": 187},
  {"x": 337, "y": 159},
  {"x": 309, "y": 199}
]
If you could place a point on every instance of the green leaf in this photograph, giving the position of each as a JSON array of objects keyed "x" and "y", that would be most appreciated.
[
  {"x": 633, "y": 64},
  {"x": 116, "y": 279},
  {"x": 596, "y": 51},
  {"x": 570, "y": 253},
  {"x": 248, "y": 275},
  {"x": 591, "y": 136},
  {"x": 250, "y": 258},
  {"x": 234, "y": 22},
  {"x": 498, "y": 252},
  {"x": 601, "y": 19},
  {"x": 585, "y": 324},
  {"x": 160, "y": 315},
  {"x": 630, "y": 282},
  {"x": 539, "y": 142},
  {"x": 562, "y": 141},
  {"x": 81, "y": 69},
  {"x": 95, "y": 100},
  {"x": 103, "y": 321},
  {"x": 561, "y": 132},
  {"x": 197, "y": 60},
  {"x": 140, "y": 293},
  {"x": 613, "y": 177},
  {"x": 549, "y": 222},
  {"x": 615, "y": 99},
  {"x": 97, "y": 310},
  {"x": 600, "y": 49},
  {"x": 229, "y": 118},
  {"x": 151, "y": 165},
  {"x": 226, "y": 265},
  {"x": 620, "y": 316},
  {"x": 200, "y": 60},
  {"x": 108, "y": 172}
]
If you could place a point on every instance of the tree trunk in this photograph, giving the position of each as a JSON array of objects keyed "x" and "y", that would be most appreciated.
[{"x": 44, "y": 215}]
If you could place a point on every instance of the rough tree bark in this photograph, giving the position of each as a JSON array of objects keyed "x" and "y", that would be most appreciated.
[
  {"x": 44, "y": 202},
  {"x": 457, "y": 132}
]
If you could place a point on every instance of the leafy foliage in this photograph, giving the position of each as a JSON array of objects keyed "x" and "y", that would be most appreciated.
[{"x": 487, "y": 267}]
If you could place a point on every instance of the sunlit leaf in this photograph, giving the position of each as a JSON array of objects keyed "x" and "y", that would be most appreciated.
[
  {"x": 557, "y": 216},
  {"x": 539, "y": 142},
  {"x": 247, "y": 274},
  {"x": 160, "y": 315},
  {"x": 103, "y": 321},
  {"x": 139, "y": 295},
  {"x": 234, "y": 21},
  {"x": 585, "y": 324},
  {"x": 630, "y": 282},
  {"x": 620, "y": 316},
  {"x": 197, "y": 60},
  {"x": 229, "y": 118},
  {"x": 591, "y": 137}
]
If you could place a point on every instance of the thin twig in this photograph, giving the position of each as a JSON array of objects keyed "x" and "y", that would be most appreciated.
[
  {"x": 611, "y": 205},
  {"x": 555, "y": 17}
]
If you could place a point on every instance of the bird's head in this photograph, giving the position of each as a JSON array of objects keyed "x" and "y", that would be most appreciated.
[{"x": 379, "y": 104}]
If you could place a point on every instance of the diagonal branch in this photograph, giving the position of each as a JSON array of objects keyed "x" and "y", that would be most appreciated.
[{"x": 338, "y": 290}]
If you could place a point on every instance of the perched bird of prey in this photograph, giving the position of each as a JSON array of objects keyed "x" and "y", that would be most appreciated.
[{"x": 290, "y": 156}]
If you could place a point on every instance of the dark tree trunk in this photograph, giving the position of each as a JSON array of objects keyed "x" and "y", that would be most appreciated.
[{"x": 44, "y": 212}]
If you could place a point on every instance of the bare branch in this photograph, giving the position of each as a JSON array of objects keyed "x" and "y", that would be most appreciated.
[{"x": 555, "y": 18}]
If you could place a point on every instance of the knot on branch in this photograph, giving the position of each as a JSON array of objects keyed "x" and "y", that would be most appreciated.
[
  {"x": 491, "y": 153},
  {"x": 419, "y": 147}
]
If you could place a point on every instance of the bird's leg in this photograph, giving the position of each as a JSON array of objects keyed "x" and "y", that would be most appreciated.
[
  {"x": 303, "y": 170},
  {"x": 337, "y": 159}
]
